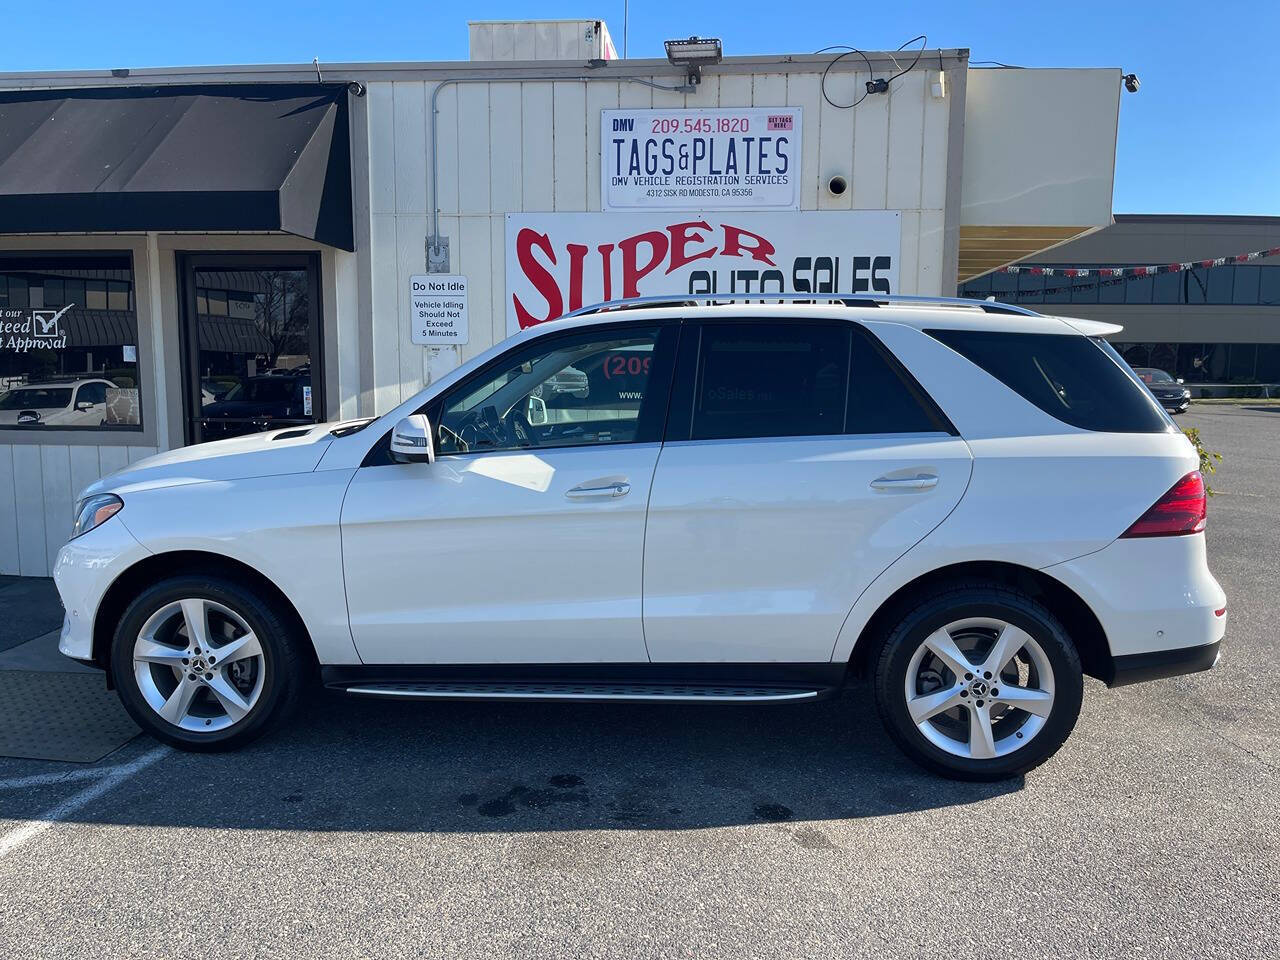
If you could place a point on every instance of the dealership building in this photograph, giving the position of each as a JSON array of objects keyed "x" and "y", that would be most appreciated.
[
  {"x": 1198, "y": 297},
  {"x": 188, "y": 254}
]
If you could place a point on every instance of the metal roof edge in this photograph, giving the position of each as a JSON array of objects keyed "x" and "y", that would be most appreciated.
[{"x": 445, "y": 69}]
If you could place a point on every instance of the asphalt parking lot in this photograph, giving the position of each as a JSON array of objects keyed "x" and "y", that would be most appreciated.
[{"x": 389, "y": 830}]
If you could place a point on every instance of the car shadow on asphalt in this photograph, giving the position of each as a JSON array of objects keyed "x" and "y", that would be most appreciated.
[{"x": 361, "y": 765}]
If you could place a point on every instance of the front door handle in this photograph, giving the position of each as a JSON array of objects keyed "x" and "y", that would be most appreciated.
[
  {"x": 921, "y": 481},
  {"x": 619, "y": 488}
]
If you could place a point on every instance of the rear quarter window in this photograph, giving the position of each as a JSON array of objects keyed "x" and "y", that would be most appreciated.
[{"x": 1077, "y": 379}]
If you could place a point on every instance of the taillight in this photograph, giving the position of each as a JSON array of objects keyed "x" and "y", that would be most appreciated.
[{"x": 1180, "y": 511}]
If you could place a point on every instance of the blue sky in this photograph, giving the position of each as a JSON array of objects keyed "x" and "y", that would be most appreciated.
[{"x": 1201, "y": 136}]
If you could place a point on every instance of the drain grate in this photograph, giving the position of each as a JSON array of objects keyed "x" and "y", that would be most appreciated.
[{"x": 60, "y": 716}]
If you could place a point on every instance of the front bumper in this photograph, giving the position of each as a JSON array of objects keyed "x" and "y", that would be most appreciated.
[{"x": 84, "y": 570}]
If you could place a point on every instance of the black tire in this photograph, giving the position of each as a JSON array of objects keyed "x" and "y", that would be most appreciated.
[
  {"x": 960, "y": 602},
  {"x": 284, "y": 665}
]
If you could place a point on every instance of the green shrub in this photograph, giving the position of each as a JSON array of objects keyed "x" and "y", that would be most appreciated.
[{"x": 1209, "y": 459}]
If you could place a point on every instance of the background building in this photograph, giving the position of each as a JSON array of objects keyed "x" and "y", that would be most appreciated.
[
  {"x": 222, "y": 250},
  {"x": 1213, "y": 326}
]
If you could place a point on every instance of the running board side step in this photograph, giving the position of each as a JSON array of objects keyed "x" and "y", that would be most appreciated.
[{"x": 568, "y": 691}]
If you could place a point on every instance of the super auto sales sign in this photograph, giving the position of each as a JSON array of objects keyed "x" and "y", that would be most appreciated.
[
  {"x": 744, "y": 158},
  {"x": 559, "y": 262}
]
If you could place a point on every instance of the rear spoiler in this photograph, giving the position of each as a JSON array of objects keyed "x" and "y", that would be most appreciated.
[{"x": 1092, "y": 328}]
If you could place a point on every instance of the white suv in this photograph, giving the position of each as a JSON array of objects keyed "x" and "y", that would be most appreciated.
[{"x": 966, "y": 503}]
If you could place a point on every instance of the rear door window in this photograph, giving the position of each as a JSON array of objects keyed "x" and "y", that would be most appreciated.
[
  {"x": 1079, "y": 380},
  {"x": 793, "y": 378}
]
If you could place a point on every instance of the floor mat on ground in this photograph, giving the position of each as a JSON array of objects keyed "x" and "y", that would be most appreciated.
[{"x": 60, "y": 716}]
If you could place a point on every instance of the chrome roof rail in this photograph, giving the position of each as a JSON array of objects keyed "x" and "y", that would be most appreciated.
[{"x": 845, "y": 299}]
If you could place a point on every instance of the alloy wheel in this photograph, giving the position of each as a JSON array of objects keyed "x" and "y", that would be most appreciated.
[
  {"x": 199, "y": 665},
  {"x": 979, "y": 688}
]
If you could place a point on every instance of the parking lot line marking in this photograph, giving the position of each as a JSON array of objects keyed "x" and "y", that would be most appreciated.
[
  {"x": 66, "y": 776},
  {"x": 111, "y": 777}
]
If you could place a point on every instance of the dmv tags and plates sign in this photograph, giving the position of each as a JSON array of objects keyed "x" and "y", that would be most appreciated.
[
  {"x": 438, "y": 309},
  {"x": 736, "y": 158}
]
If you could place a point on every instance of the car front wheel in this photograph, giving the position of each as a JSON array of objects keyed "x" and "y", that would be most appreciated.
[
  {"x": 204, "y": 663},
  {"x": 981, "y": 682}
]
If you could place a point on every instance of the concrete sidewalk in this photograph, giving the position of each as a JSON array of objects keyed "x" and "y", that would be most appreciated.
[{"x": 51, "y": 708}]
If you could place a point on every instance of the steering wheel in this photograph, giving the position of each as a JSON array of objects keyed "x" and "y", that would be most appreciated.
[
  {"x": 476, "y": 427},
  {"x": 521, "y": 430}
]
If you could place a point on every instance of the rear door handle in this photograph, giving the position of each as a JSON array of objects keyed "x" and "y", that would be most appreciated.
[
  {"x": 619, "y": 488},
  {"x": 921, "y": 481}
]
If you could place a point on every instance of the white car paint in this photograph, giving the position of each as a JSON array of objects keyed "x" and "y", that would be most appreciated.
[
  {"x": 491, "y": 558},
  {"x": 755, "y": 549},
  {"x": 746, "y": 550}
]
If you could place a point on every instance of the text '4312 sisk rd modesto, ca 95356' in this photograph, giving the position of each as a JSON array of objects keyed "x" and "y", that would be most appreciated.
[{"x": 962, "y": 503}]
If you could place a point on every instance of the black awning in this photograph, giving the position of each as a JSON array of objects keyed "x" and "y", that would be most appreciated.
[{"x": 200, "y": 157}]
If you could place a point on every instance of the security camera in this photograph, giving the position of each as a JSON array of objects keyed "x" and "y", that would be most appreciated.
[
  {"x": 837, "y": 185},
  {"x": 355, "y": 88},
  {"x": 1131, "y": 82}
]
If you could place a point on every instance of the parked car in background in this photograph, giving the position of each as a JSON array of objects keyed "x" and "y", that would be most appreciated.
[
  {"x": 1166, "y": 388},
  {"x": 967, "y": 504},
  {"x": 56, "y": 402},
  {"x": 257, "y": 403}
]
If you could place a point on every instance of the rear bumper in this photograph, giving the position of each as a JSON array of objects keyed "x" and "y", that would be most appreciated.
[
  {"x": 1162, "y": 611},
  {"x": 1140, "y": 667}
]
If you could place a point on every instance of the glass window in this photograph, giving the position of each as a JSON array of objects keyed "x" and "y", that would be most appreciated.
[
  {"x": 771, "y": 380},
  {"x": 1220, "y": 282},
  {"x": 1268, "y": 370},
  {"x": 1111, "y": 289},
  {"x": 1241, "y": 360},
  {"x": 95, "y": 294},
  {"x": 1085, "y": 289},
  {"x": 1246, "y": 284},
  {"x": 1167, "y": 288},
  {"x": 68, "y": 360},
  {"x": 882, "y": 400},
  {"x": 1080, "y": 380},
  {"x": 252, "y": 370},
  {"x": 1031, "y": 287},
  {"x": 1138, "y": 289},
  {"x": 1268, "y": 286},
  {"x": 563, "y": 392}
]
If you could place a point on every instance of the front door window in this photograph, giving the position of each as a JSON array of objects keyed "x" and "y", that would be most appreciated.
[{"x": 252, "y": 326}]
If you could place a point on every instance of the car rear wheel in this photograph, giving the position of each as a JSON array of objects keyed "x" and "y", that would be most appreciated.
[
  {"x": 979, "y": 683},
  {"x": 205, "y": 664}
]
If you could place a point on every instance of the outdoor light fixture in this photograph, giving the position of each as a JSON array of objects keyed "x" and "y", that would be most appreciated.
[
  {"x": 1131, "y": 82},
  {"x": 694, "y": 54}
]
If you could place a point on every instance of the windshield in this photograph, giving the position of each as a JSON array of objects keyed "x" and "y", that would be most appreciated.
[
  {"x": 1152, "y": 375},
  {"x": 35, "y": 398}
]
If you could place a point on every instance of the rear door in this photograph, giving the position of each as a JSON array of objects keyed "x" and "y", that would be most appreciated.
[{"x": 801, "y": 461}]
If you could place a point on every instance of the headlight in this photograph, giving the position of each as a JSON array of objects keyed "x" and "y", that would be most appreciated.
[{"x": 95, "y": 511}]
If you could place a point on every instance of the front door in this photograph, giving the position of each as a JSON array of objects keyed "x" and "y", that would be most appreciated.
[
  {"x": 801, "y": 462},
  {"x": 523, "y": 541},
  {"x": 251, "y": 335}
]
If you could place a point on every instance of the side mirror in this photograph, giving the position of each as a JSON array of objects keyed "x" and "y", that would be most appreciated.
[
  {"x": 1180, "y": 380},
  {"x": 83, "y": 405},
  {"x": 536, "y": 412},
  {"x": 411, "y": 441}
]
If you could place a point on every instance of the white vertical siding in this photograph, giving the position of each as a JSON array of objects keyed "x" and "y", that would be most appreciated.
[
  {"x": 8, "y": 514},
  {"x": 534, "y": 145},
  {"x": 38, "y": 487}
]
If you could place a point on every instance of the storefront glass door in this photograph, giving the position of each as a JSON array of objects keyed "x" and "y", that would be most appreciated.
[{"x": 251, "y": 335}]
